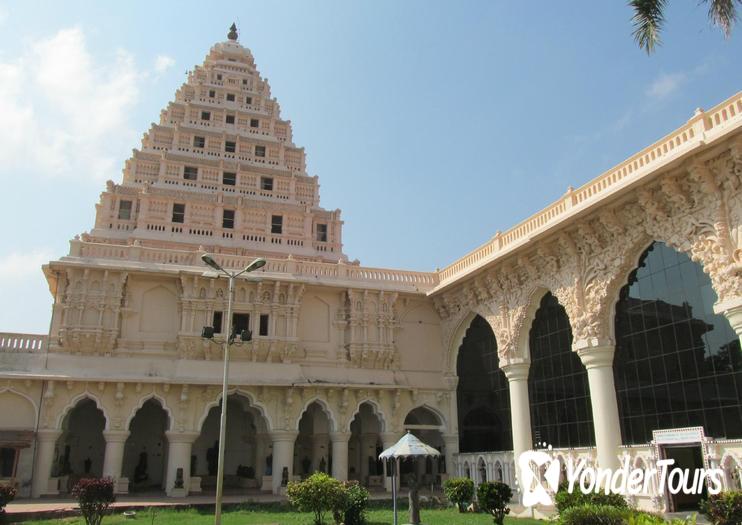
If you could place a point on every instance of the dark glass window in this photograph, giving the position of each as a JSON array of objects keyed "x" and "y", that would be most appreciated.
[
  {"x": 240, "y": 322},
  {"x": 199, "y": 142},
  {"x": 264, "y": 324},
  {"x": 190, "y": 172},
  {"x": 677, "y": 363},
  {"x": 124, "y": 210},
  {"x": 322, "y": 232},
  {"x": 561, "y": 414},
  {"x": 230, "y": 97},
  {"x": 227, "y": 218},
  {"x": 248, "y": 100},
  {"x": 178, "y": 213},
  {"x": 266, "y": 183},
  {"x": 260, "y": 151},
  {"x": 7, "y": 462},
  {"x": 277, "y": 224},
  {"x": 217, "y": 324},
  {"x": 254, "y": 123},
  {"x": 230, "y": 146},
  {"x": 229, "y": 178},
  {"x": 229, "y": 119},
  {"x": 212, "y": 93},
  {"x": 205, "y": 115},
  {"x": 482, "y": 394}
]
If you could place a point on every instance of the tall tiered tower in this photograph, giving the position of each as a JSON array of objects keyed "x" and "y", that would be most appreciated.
[{"x": 220, "y": 171}]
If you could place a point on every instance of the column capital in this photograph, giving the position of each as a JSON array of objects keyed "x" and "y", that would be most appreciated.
[
  {"x": 516, "y": 371},
  {"x": 284, "y": 435},
  {"x": 339, "y": 437},
  {"x": 181, "y": 437},
  {"x": 115, "y": 436},
  {"x": 45, "y": 436},
  {"x": 597, "y": 356}
]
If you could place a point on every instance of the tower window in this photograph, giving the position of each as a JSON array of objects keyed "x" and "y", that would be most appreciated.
[
  {"x": 266, "y": 183},
  {"x": 277, "y": 224},
  {"x": 230, "y": 97},
  {"x": 124, "y": 210},
  {"x": 206, "y": 115},
  {"x": 248, "y": 100},
  {"x": 260, "y": 151},
  {"x": 244, "y": 81},
  {"x": 190, "y": 172},
  {"x": 229, "y": 178},
  {"x": 179, "y": 213},
  {"x": 212, "y": 93},
  {"x": 254, "y": 123},
  {"x": 263, "y": 324},
  {"x": 217, "y": 323},
  {"x": 240, "y": 322},
  {"x": 322, "y": 232},
  {"x": 199, "y": 142},
  {"x": 229, "y": 119},
  {"x": 230, "y": 146},
  {"x": 218, "y": 76},
  {"x": 228, "y": 219}
]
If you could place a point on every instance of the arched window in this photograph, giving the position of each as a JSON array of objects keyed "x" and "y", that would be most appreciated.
[
  {"x": 677, "y": 363},
  {"x": 561, "y": 415},
  {"x": 482, "y": 394}
]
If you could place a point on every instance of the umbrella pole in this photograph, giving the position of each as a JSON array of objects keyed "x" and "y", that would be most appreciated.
[{"x": 394, "y": 488}]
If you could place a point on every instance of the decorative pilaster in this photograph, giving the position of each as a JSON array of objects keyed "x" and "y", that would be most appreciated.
[
  {"x": 45, "y": 443},
  {"x": 283, "y": 456},
  {"x": 114, "y": 458},
  {"x": 339, "y": 442},
  {"x": 179, "y": 457}
]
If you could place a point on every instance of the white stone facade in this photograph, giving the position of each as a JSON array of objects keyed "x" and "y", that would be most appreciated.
[{"x": 344, "y": 358}]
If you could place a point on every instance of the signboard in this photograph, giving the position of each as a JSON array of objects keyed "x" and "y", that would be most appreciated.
[{"x": 672, "y": 436}]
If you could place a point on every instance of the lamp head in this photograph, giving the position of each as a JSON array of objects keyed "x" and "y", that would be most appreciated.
[
  {"x": 255, "y": 265},
  {"x": 206, "y": 258}
]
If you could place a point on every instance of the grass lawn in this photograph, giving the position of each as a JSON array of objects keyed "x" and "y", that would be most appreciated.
[{"x": 267, "y": 516}]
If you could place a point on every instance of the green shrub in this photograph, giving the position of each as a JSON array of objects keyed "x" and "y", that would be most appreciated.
[
  {"x": 7, "y": 494},
  {"x": 724, "y": 508},
  {"x": 494, "y": 498},
  {"x": 355, "y": 501},
  {"x": 94, "y": 495},
  {"x": 564, "y": 500},
  {"x": 319, "y": 493},
  {"x": 638, "y": 517},
  {"x": 590, "y": 514},
  {"x": 459, "y": 491}
]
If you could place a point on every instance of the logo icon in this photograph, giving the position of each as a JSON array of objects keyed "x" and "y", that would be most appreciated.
[{"x": 533, "y": 490}]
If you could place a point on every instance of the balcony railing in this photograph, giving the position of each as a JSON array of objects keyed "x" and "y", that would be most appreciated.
[
  {"x": 22, "y": 343},
  {"x": 702, "y": 128}
]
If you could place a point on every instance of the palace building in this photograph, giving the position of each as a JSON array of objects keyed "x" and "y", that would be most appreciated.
[{"x": 606, "y": 326}]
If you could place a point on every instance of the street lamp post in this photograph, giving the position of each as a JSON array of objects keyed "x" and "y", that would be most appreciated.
[{"x": 228, "y": 339}]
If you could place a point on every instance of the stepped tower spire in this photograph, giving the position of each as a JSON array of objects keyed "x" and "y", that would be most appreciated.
[{"x": 220, "y": 171}]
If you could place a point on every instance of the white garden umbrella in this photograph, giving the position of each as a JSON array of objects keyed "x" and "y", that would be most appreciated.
[{"x": 408, "y": 446}]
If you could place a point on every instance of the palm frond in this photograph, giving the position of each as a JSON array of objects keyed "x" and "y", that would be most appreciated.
[
  {"x": 723, "y": 13},
  {"x": 647, "y": 20}
]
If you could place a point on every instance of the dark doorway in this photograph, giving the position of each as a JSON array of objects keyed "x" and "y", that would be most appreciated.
[{"x": 690, "y": 458}]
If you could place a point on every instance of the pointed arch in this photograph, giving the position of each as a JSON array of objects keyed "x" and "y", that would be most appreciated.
[
  {"x": 325, "y": 409},
  {"x": 535, "y": 297},
  {"x": 424, "y": 408},
  {"x": 142, "y": 401},
  {"x": 34, "y": 406},
  {"x": 375, "y": 408},
  {"x": 73, "y": 403},
  {"x": 259, "y": 407}
]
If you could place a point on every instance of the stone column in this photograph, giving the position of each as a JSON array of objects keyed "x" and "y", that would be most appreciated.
[
  {"x": 452, "y": 447},
  {"x": 599, "y": 363},
  {"x": 179, "y": 456},
  {"x": 46, "y": 440},
  {"x": 340, "y": 455},
  {"x": 114, "y": 458},
  {"x": 520, "y": 410},
  {"x": 732, "y": 310},
  {"x": 389, "y": 439},
  {"x": 283, "y": 455},
  {"x": 260, "y": 455}
]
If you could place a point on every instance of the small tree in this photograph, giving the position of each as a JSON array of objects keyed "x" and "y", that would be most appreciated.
[
  {"x": 7, "y": 494},
  {"x": 355, "y": 501},
  {"x": 724, "y": 508},
  {"x": 494, "y": 498},
  {"x": 95, "y": 496},
  {"x": 319, "y": 493},
  {"x": 459, "y": 491}
]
